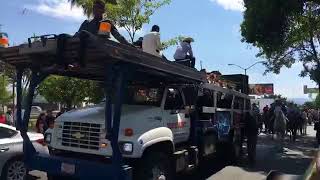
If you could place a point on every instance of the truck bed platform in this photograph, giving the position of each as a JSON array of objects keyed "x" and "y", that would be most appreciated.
[{"x": 100, "y": 53}]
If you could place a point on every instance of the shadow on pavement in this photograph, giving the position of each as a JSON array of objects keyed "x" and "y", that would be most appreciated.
[
  {"x": 207, "y": 169},
  {"x": 295, "y": 159}
]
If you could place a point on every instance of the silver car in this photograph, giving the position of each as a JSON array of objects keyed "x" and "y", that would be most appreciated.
[{"x": 11, "y": 143}]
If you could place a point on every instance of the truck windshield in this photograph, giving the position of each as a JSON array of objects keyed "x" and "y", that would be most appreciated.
[{"x": 142, "y": 95}]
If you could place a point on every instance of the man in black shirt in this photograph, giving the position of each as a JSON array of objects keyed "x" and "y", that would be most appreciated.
[
  {"x": 92, "y": 26},
  {"x": 251, "y": 131}
]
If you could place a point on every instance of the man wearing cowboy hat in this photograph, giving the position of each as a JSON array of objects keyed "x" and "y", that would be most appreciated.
[{"x": 184, "y": 51}]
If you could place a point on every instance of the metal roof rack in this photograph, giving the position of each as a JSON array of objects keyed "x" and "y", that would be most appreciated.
[{"x": 99, "y": 53}]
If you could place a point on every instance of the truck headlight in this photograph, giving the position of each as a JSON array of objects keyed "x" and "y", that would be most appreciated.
[
  {"x": 126, "y": 147},
  {"x": 47, "y": 138}
]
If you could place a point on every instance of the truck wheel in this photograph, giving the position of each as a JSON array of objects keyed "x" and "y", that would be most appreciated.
[{"x": 155, "y": 166}]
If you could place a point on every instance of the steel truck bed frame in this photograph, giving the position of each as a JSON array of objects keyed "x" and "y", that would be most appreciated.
[{"x": 107, "y": 61}]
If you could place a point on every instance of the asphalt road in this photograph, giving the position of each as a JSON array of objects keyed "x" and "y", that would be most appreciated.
[{"x": 294, "y": 160}]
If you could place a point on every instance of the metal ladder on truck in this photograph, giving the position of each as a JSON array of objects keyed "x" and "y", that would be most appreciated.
[{"x": 116, "y": 66}]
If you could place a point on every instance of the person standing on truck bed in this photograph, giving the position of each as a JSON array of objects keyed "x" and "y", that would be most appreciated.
[
  {"x": 184, "y": 52},
  {"x": 92, "y": 25}
]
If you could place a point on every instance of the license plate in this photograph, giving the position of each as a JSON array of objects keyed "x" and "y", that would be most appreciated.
[{"x": 68, "y": 168}]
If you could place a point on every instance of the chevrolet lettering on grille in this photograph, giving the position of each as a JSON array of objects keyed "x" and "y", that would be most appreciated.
[{"x": 78, "y": 135}]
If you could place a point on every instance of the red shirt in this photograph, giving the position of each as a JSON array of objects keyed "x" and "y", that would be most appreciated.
[{"x": 3, "y": 119}]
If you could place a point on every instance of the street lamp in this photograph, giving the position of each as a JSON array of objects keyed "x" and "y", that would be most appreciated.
[{"x": 245, "y": 69}]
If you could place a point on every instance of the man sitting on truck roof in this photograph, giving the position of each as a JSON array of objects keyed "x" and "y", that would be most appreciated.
[
  {"x": 184, "y": 54},
  {"x": 92, "y": 25},
  {"x": 151, "y": 42}
]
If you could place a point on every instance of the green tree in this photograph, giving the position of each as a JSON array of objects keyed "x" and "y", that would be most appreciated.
[
  {"x": 276, "y": 96},
  {"x": 10, "y": 72},
  {"x": 172, "y": 42},
  {"x": 88, "y": 4},
  {"x": 133, "y": 14},
  {"x": 128, "y": 14},
  {"x": 70, "y": 91},
  {"x": 285, "y": 32},
  {"x": 4, "y": 93},
  {"x": 309, "y": 105},
  {"x": 316, "y": 102}
]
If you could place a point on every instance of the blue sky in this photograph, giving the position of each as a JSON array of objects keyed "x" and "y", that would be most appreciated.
[{"x": 214, "y": 24}]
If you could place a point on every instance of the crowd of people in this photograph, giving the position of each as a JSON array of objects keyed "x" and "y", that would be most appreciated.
[
  {"x": 6, "y": 118},
  {"x": 287, "y": 118},
  {"x": 45, "y": 121}
]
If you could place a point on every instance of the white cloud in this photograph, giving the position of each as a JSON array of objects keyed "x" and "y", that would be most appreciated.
[
  {"x": 234, "y": 5},
  {"x": 58, "y": 9}
]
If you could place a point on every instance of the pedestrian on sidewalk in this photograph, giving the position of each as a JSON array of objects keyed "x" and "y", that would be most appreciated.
[
  {"x": 317, "y": 128},
  {"x": 280, "y": 124},
  {"x": 251, "y": 131}
]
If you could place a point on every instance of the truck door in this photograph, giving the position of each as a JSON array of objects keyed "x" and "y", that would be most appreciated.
[{"x": 174, "y": 115}]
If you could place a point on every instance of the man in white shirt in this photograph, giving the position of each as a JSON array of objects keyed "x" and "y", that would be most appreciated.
[
  {"x": 184, "y": 52},
  {"x": 151, "y": 42}
]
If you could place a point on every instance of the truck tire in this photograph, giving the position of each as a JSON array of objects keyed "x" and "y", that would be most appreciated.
[{"x": 155, "y": 166}]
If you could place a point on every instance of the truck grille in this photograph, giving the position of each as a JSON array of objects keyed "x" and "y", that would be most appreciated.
[{"x": 81, "y": 135}]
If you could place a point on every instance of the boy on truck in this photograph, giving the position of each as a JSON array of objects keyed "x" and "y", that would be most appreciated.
[{"x": 92, "y": 25}]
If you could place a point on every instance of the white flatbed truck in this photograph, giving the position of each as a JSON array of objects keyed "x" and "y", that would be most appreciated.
[{"x": 158, "y": 118}]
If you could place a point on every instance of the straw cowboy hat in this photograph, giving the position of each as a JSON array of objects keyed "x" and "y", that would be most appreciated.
[{"x": 188, "y": 39}]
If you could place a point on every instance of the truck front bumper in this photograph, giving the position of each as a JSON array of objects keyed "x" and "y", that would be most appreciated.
[{"x": 77, "y": 168}]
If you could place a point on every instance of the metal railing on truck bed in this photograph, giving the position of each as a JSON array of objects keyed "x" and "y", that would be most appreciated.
[
  {"x": 114, "y": 64},
  {"x": 98, "y": 53}
]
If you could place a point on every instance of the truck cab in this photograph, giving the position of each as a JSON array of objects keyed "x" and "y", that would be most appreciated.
[{"x": 150, "y": 115}]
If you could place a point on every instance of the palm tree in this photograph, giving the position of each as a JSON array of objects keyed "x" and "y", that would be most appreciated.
[{"x": 88, "y": 4}]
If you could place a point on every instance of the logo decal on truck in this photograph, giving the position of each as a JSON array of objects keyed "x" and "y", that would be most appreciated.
[{"x": 78, "y": 135}]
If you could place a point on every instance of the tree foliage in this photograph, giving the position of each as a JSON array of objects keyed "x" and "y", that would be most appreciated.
[
  {"x": 286, "y": 32},
  {"x": 133, "y": 14},
  {"x": 88, "y": 4},
  {"x": 309, "y": 105},
  {"x": 276, "y": 96},
  {"x": 5, "y": 96},
  {"x": 317, "y": 102},
  {"x": 70, "y": 91},
  {"x": 171, "y": 42}
]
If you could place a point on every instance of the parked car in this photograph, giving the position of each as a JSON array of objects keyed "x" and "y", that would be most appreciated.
[{"x": 11, "y": 152}]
